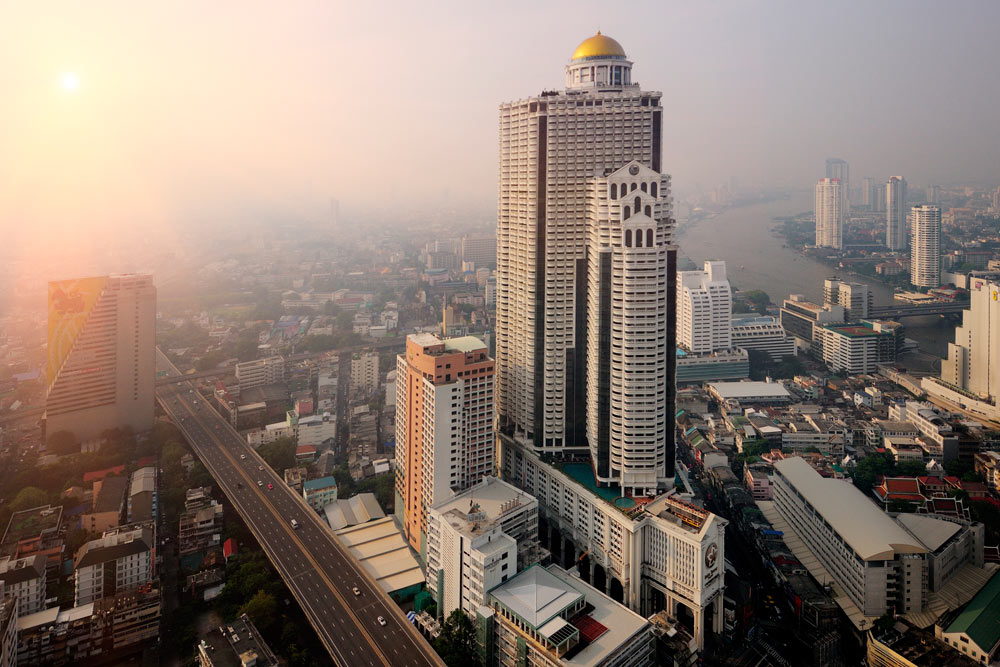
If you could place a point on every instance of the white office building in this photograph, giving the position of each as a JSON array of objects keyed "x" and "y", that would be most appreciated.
[
  {"x": 856, "y": 298},
  {"x": 551, "y": 146},
  {"x": 704, "y": 309},
  {"x": 260, "y": 372},
  {"x": 473, "y": 542},
  {"x": 973, "y": 363},
  {"x": 895, "y": 213},
  {"x": 841, "y": 170},
  {"x": 763, "y": 333},
  {"x": 631, "y": 238},
  {"x": 829, "y": 213},
  {"x": 364, "y": 372},
  {"x": 925, "y": 246}
]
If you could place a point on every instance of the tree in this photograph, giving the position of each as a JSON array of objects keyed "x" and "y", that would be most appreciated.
[
  {"x": 957, "y": 468},
  {"x": 279, "y": 454},
  {"x": 29, "y": 496},
  {"x": 63, "y": 443},
  {"x": 457, "y": 642},
  {"x": 870, "y": 467},
  {"x": 911, "y": 469},
  {"x": 262, "y": 609}
]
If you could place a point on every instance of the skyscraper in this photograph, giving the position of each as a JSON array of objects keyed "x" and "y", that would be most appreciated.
[
  {"x": 829, "y": 213},
  {"x": 840, "y": 170},
  {"x": 551, "y": 145},
  {"x": 444, "y": 424},
  {"x": 856, "y": 298},
  {"x": 895, "y": 213},
  {"x": 705, "y": 309},
  {"x": 925, "y": 246},
  {"x": 868, "y": 193},
  {"x": 101, "y": 354},
  {"x": 629, "y": 337},
  {"x": 973, "y": 363}
]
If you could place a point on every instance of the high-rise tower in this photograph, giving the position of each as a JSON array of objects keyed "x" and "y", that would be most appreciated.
[
  {"x": 551, "y": 145},
  {"x": 829, "y": 213},
  {"x": 925, "y": 249},
  {"x": 895, "y": 213},
  {"x": 705, "y": 309},
  {"x": 101, "y": 355},
  {"x": 840, "y": 170}
]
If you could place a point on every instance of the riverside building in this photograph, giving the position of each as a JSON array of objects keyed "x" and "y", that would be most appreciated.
[
  {"x": 895, "y": 213},
  {"x": 829, "y": 214},
  {"x": 925, "y": 246}
]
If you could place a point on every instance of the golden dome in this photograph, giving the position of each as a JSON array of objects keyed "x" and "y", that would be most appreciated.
[{"x": 598, "y": 45}]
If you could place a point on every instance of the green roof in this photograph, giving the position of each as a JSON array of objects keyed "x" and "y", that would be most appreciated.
[
  {"x": 981, "y": 618},
  {"x": 320, "y": 483}
]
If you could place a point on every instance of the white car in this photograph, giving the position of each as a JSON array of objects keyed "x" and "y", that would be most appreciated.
[
  {"x": 381, "y": 620},
  {"x": 243, "y": 457},
  {"x": 260, "y": 468},
  {"x": 260, "y": 482},
  {"x": 356, "y": 591}
]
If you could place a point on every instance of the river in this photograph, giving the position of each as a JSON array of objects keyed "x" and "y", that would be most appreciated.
[{"x": 756, "y": 260}]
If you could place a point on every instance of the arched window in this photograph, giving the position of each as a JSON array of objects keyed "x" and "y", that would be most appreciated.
[
  {"x": 638, "y": 238},
  {"x": 649, "y": 237},
  {"x": 638, "y": 204},
  {"x": 626, "y": 214},
  {"x": 633, "y": 187},
  {"x": 649, "y": 210},
  {"x": 628, "y": 238},
  {"x": 652, "y": 189},
  {"x": 643, "y": 187},
  {"x": 614, "y": 191}
]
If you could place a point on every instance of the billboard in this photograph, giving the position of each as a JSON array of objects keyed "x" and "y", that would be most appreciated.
[{"x": 70, "y": 304}]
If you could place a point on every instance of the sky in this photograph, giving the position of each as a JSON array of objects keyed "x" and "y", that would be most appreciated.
[{"x": 191, "y": 114}]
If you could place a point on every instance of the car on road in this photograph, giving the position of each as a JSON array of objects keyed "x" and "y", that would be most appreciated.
[
  {"x": 269, "y": 486},
  {"x": 243, "y": 457},
  {"x": 260, "y": 482},
  {"x": 356, "y": 591},
  {"x": 295, "y": 524},
  {"x": 381, "y": 620},
  {"x": 260, "y": 468}
]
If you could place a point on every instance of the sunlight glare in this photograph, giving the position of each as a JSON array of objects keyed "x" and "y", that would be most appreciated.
[{"x": 69, "y": 82}]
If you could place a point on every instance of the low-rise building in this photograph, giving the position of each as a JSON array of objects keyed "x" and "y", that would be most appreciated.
[
  {"x": 120, "y": 560},
  {"x": 236, "y": 643},
  {"x": 858, "y": 348},
  {"x": 976, "y": 631},
  {"x": 696, "y": 368},
  {"x": 200, "y": 527},
  {"x": 108, "y": 506},
  {"x": 25, "y": 579},
  {"x": 319, "y": 492},
  {"x": 758, "y": 482},
  {"x": 142, "y": 497},
  {"x": 546, "y": 617},
  {"x": 294, "y": 478},
  {"x": 260, "y": 372},
  {"x": 765, "y": 334},
  {"x": 473, "y": 542}
]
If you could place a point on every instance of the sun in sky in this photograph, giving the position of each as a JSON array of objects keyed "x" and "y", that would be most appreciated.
[{"x": 69, "y": 82}]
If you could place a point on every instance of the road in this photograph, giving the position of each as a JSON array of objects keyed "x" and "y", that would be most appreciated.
[{"x": 317, "y": 570}]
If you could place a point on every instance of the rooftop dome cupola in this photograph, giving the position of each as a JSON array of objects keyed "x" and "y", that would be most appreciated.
[{"x": 599, "y": 62}]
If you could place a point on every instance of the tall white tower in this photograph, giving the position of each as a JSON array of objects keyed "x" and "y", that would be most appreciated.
[
  {"x": 629, "y": 340},
  {"x": 841, "y": 170},
  {"x": 973, "y": 362},
  {"x": 551, "y": 145},
  {"x": 829, "y": 213},
  {"x": 895, "y": 213},
  {"x": 705, "y": 309},
  {"x": 925, "y": 248}
]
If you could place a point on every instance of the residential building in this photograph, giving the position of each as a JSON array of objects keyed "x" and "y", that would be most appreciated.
[
  {"x": 109, "y": 504},
  {"x": 925, "y": 246},
  {"x": 763, "y": 333},
  {"x": 631, "y": 241},
  {"x": 118, "y": 561},
  {"x": 799, "y": 317},
  {"x": 973, "y": 364},
  {"x": 480, "y": 251},
  {"x": 551, "y": 146},
  {"x": 829, "y": 213},
  {"x": 364, "y": 372},
  {"x": 704, "y": 309},
  {"x": 473, "y": 541},
  {"x": 33, "y": 531},
  {"x": 260, "y": 372},
  {"x": 895, "y": 213},
  {"x": 8, "y": 629},
  {"x": 731, "y": 364},
  {"x": 235, "y": 643},
  {"x": 200, "y": 526},
  {"x": 320, "y": 492},
  {"x": 987, "y": 465},
  {"x": 444, "y": 424},
  {"x": 142, "y": 496},
  {"x": 758, "y": 482},
  {"x": 858, "y": 348},
  {"x": 546, "y": 617},
  {"x": 868, "y": 193},
  {"x": 856, "y": 298},
  {"x": 25, "y": 579},
  {"x": 101, "y": 355},
  {"x": 840, "y": 170}
]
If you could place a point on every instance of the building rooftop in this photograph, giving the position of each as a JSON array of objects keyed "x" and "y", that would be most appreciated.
[
  {"x": 479, "y": 507},
  {"x": 870, "y": 532},
  {"x": 30, "y": 523},
  {"x": 113, "y": 547},
  {"x": 536, "y": 595},
  {"x": 464, "y": 344},
  {"x": 16, "y": 571},
  {"x": 981, "y": 617},
  {"x": 749, "y": 390},
  {"x": 930, "y": 531},
  {"x": 237, "y": 644},
  {"x": 320, "y": 483},
  {"x": 357, "y": 509},
  {"x": 383, "y": 552},
  {"x": 112, "y": 492}
]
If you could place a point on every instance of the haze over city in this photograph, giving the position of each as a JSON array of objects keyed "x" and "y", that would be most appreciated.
[{"x": 485, "y": 335}]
